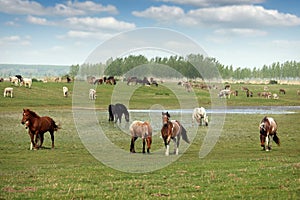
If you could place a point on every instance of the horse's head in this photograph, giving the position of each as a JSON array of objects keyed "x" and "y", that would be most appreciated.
[
  {"x": 26, "y": 116},
  {"x": 165, "y": 118}
]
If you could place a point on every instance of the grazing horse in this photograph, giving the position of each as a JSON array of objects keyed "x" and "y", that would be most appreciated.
[
  {"x": 268, "y": 130},
  {"x": 65, "y": 91},
  {"x": 8, "y": 91},
  {"x": 37, "y": 126},
  {"x": 172, "y": 129},
  {"x": 27, "y": 82},
  {"x": 143, "y": 130},
  {"x": 199, "y": 114},
  {"x": 282, "y": 91},
  {"x": 116, "y": 111}
]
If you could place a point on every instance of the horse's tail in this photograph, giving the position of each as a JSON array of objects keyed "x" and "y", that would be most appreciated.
[
  {"x": 56, "y": 126},
  {"x": 184, "y": 135},
  {"x": 276, "y": 139}
]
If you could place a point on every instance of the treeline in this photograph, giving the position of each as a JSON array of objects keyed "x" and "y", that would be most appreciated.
[{"x": 193, "y": 66}]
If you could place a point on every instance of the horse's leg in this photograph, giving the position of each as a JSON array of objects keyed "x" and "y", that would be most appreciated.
[
  {"x": 176, "y": 145},
  {"x": 267, "y": 142},
  {"x": 42, "y": 139},
  {"x": 52, "y": 138},
  {"x": 144, "y": 143},
  {"x": 37, "y": 137},
  {"x": 133, "y": 139},
  {"x": 262, "y": 142}
]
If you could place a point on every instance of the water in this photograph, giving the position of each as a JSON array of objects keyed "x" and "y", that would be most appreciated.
[{"x": 234, "y": 110}]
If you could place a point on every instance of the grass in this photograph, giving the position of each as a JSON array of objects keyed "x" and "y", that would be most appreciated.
[{"x": 235, "y": 169}]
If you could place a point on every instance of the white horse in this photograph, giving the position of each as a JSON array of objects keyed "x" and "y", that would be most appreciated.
[
  {"x": 92, "y": 94},
  {"x": 14, "y": 80},
  {"x": 8, "y": 91},
  {"x": 225, "y": 94},
  {"x": 27, "y": 82},
  {"x": 199, "y": 114},
  {"x": 65, "y": 91}
]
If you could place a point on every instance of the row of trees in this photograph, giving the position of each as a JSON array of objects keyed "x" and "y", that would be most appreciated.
[{"x": 192, "y": 66}]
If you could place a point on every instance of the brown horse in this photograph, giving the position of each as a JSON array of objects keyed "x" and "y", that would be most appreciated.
[
  {"x": 37, "y": 126},
  {"x": 143, "y": 130},
  {"x": 268, "y": 130},
  {"x": 172, "y": 129}
]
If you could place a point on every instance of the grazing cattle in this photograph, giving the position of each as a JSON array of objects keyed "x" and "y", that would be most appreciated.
[
  {"x": 8, "y": 92},
  {"x": 65, "y": 91},
  {"x": 27, "y": 82},
  {"x": 92, "y": 94},
  {"x": 225, "y": 94},
  {"x": 143, "y": 130},
  {"x": 116, "y": 111},
  {"x": 132, "y": 80},
  {"x": 268, "y": 130},
  {"x": 282, "y": 91},
  {"x": 298, "y": 92},
  {"x": 172, "y": 129},
  {"x": 199, "y": 114}
]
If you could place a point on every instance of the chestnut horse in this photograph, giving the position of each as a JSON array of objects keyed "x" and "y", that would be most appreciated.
[
  {"x": 143, "y": 130},
  {"x": 268, "y": 130},
  {"x": 37, "y": 126},
  {"x": 172, "y": 129}
]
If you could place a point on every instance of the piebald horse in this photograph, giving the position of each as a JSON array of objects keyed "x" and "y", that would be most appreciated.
[
  {"x": 172, "y": 129},
  {"x": 268, "y": 130}
]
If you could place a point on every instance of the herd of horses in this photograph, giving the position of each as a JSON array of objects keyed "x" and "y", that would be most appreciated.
[{"x": 171, "y": 129}]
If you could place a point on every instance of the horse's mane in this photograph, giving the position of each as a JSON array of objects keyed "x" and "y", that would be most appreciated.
[{"x": 33, "y": 114}]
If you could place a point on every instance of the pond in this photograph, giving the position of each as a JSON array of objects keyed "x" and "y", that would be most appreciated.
[{"x": 234, "y": 110}]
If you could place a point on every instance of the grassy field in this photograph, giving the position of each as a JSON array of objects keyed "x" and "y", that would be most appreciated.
[{"x": 235, "y": 169}]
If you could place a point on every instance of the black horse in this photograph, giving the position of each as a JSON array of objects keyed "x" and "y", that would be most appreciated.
[{"x": 116, "y": 111}]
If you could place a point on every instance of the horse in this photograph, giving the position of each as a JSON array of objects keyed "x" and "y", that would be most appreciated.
[
  {"x": 27, "y": 82},
  {"x": 37, "y": 126},
  {"x": 172, "y": 129},
  {"x": 224, "y": 94},
  {"x": 116, "y": 111},
  {"x": 92, "y": 94},
  {"x": 8, "y": 91},
  {"x": 65, "y": 91},
  {"x": 199, "y": 114},
  {"x": 143, "y": 130},
  {"x": 282, "y": 91},
  {"x": 268, "y": 130}
]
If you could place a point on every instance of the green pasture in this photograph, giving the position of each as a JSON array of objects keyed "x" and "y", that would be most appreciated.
[{"x": 236, "y": 168}]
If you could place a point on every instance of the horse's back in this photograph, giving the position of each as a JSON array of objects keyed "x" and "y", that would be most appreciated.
[{"x": 48, "y": 124}]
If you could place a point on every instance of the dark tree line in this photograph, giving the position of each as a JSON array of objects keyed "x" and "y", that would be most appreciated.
[{"x": 193, "y": 66}]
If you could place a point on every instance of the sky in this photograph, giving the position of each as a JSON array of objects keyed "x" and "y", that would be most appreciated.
[{"x": 238, "y": 33}]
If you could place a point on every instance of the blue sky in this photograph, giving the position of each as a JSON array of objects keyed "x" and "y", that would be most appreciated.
[{"x": 241, "y": 33}]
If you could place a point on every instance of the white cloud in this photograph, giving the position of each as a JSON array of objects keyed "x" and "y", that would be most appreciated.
[
  {"x": 162, "y": 13},
  {"x": 94, "y": 23},
  {"x": 15, "y": 40},
  {"x": 240, "y": 32},
  {"x": 74, "y": 34},
  {"x": 243, "y": 16},
  {"x": 38, "y": 20},
  {"x": 27, "y": 7},
  {"x": 210, "y": 3},
  {"x": 237, "y": 16}
]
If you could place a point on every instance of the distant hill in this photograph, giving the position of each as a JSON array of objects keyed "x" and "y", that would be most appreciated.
[{"x": 33, "y": 71}]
